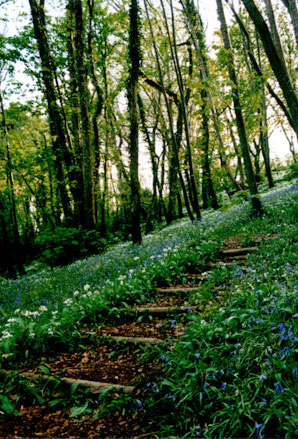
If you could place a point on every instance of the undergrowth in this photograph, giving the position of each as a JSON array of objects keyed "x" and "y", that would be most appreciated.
[{"x": 234, "y": 373}]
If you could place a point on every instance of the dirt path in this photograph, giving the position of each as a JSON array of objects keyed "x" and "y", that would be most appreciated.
[{"x": 113, "y": 355}]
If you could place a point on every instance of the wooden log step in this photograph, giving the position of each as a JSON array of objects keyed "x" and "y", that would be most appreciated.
[
  {"x": 224, "y": 263},
  {"x": 94, "y": 386},
  {"x": 238, "y": 251},
  {"x": 148, "y": 340},
  {"x": 178, "y": 290},
  {"x": 167, "y": 309},
  {"x": 237, "y": 257}
]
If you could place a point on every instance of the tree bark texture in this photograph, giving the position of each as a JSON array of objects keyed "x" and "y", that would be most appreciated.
[
  {"x": 256, "y": 203},
  {"x": 88, "y": 154},
  {"x": 134, "y": 73},
  {"x": 55, "y": 119},
  {"x": 277, "y": 65}
]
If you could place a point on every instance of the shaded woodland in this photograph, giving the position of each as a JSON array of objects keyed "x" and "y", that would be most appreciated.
[{"x": 116, "y": 85}]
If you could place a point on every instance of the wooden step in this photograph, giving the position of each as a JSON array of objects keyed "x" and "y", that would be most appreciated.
[
  {"x": 94, "y": 386},
  {"x": 178, "y": 290},
  {"x": 148, "y": 340},
  {"x": 238, "y": 251},
  {"x": 224, "y": 263},
  {"x": 237, "y": 257},
  {"x": 166, "y": 309}
]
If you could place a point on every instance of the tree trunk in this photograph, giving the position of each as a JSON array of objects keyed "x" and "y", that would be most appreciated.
[
  {"x": 277, "y": 65},
  {"x": 78, "y": 190},
  {"x": 256, "y": 203},
  {"x": 207, "y": 179},
  {"x": 12, "y": 208},
  {"x": 291, "y": 5},
  {"x": 134, "y": 73},
  {"x": 55, "y": 119},
  {"x": 88, "y": 154},
  {"x": 199, "y": 43}
]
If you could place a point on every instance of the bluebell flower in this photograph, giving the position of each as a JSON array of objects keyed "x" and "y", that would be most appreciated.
[
  {"x": 291, "y": 334},
  {"x": 173, "y": 322},
  {"x": 198, "y": 355},
  {"x": 262, "y": 377},
  {"x": 285, "y": 352},
  {"x": 259, "y": 428},
  {"x": 295, "y": 370},
  {"x": 198, "y": 430},
  {"x": 278, "y": 387},
  {"x": 224, "y": 386},
  {"x": 139, "y": 404},
  {"x": 259, "y": 320},
  {"x": 170, "y": 396},
  {"x": 263, "y": 400}
]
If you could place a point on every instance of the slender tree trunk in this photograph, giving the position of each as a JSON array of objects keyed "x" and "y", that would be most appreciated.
[
  {"x": 193, "y": 18},
  {"x": 291, "y": 5},
  {"x": 274, "y": 32},
  {"x": 183, "y": 108},
  {"x": 256, "y": 203},
  {"x": 88, "y": 153},
  {"x": 78, "y": 189},
  {"x": 173, "y": 143},
  {"x": 55, "y": 119},
  {"x": 277, "y": 65},
  {"x": 134, "y": 73},
  {"x": 13, "y": 209},
  {"x": 207, "y": 183},
  {"x": 264, "y": 137},
  {"x": 239, "y": 161}
]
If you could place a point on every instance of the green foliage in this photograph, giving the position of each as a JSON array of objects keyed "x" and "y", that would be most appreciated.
[
  {"x": 62, "y": 245},
  {"x": 293, "y": 171}
]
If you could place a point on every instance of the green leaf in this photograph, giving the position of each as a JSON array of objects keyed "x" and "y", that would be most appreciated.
[
  {"x": 37, "y": 396},
  {"x": 44, "y": 369},
  {"x": 55, "y": 402},
  {"x": 6, "y": 405},
  {"x": 80, "y": 410},
  {"x": 73, "y": 388}
]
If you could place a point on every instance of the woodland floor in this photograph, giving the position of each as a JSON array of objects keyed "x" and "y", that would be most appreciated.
[{"x": 103, "y": 359}]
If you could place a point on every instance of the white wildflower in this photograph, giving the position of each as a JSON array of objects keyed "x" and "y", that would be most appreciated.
[
  {"x": 43, "y": 308},
  {"x": 6, "y": 335},
  {"x": 86, "y": 287},
  {"x": 76, "y": 293}
]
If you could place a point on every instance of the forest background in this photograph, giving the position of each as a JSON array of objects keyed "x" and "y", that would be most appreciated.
[{"x": 108, "y": 79}]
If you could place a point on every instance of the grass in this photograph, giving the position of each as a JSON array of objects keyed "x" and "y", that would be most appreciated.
[{"x": 234, "y": 372}]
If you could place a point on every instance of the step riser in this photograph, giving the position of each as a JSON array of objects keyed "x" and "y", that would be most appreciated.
[{"x": 239, "y": 251}]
